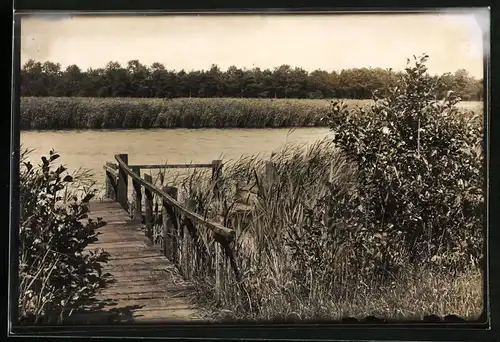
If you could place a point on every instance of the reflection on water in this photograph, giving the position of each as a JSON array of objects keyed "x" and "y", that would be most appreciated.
[{"x": 90, "y": 149}]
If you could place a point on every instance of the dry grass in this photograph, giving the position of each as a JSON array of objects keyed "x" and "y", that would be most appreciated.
[
  {"x": 277, "y": 285},
  {"x": 411, "y": 296}
]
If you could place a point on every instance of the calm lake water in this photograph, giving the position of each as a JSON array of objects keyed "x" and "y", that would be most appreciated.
[{"x": 90, "y": 149}]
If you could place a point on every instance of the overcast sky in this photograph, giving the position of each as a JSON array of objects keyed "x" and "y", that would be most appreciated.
[{"x": 329, "y": 42}]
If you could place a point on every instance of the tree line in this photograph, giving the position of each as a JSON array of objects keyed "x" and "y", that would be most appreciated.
[{"x": 139, "y": 80}]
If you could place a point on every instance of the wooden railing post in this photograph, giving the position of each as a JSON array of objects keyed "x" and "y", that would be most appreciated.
[
  {"x": 216, "y": 174},
  {"x": 149, "y": 208},
  {"x": 122, "y": 191},
  {"x": 188, "y": 252},
  {"x": 218, "y": 275},
  {"x": 137, "y": 195},
  {"x": 109, "y": 187},
  {"x": 110, "y": 181},
  {"x": 107, "y": 183},
  {"x": 169, "y": 249}
]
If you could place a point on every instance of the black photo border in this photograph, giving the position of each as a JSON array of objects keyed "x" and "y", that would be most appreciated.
[{"x": 419, "y": 331}]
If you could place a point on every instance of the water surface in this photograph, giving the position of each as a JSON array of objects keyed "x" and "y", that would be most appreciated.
[{"x": 90, "y": 149}]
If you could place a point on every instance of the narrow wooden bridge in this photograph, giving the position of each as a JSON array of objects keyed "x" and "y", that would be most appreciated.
[{"x": 155, "y": 254}]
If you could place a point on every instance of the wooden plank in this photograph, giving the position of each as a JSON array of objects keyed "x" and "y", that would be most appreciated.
[
  {"x": 124, "y": 235},
  {"x": 113, "y": 246},
  {"x": 133, "y": 264},
  {"x": 128, "y": 276},
  {"x": 143, "y": 284},
  {"x": 138, "y": 255},
  {"x": 117, "y": 222},
  {"x": 145, "y": 288},
  {"x": 105, "y": 203},
  {"x": 115, "y": 240},
  {"x": 152, "y": 296},
  {"x": 125, "y": 227},
  {"x": 126, "y": 230},
  {"x": 108, "y": 212},
  {"x": 151, "y": 275},
  {"x": 104, "y": 208}
]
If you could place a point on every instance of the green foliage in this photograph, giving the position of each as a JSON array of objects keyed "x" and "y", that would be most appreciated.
[
  {"x": 138, "y": 80},
  {"x": 389, "y": 212},
  {"x": 420, "y": 169},
  {"x": 56, "y": 273},
  {"x": 303, "y": 252}
]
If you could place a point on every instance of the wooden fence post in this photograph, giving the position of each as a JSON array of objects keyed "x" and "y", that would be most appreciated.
[
  {"x": 109, "y": 187},
  {"x": 169, "y": 249},
  {"x": 110, "y": 182},
  {"x": 216, "y": 174},
  {"x": 149, "y": 208},
  {"x": 189, "y": 245},
  {"x": 107, "y": 183},
  {"x": 217, "y": 262},
  {"x": 138, "y": 195},
  {"x": 122, "y": 191}
]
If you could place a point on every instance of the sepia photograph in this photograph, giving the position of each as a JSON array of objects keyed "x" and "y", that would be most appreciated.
[{"x": 258, "y": 167}]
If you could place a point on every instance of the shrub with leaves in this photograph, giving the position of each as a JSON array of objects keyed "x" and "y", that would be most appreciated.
[
  {"x": 420, "y": 168},
  {"x": 56, "y": 272}
]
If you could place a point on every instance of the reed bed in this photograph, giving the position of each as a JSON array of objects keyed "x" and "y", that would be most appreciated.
[
  {"x": 53, "y": 113},
  {"x": 111, "y": 113},
  {"x": 294, "y": 266}
]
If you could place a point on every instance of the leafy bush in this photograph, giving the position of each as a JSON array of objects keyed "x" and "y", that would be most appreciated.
[
  {"x": 383, "y": 220},
  {"x": 302, "y": 252},
  {"x": 56, "y": 273},
  {"x": 420, "y": 169}
]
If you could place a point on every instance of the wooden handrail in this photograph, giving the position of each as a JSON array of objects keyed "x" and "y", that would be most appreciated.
[
  {"x": 111, "y": 170},
  {"x": 171, "y": 166},
  {"x": 227, "y": 233}
]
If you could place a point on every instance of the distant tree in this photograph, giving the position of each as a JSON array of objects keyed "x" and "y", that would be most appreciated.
[
  {"x": 32, "y": 79},
  {"x": 96, "y": 85},
  {"x": 116, "y": 80},
  {"x": 138, "y": 80},
  {"x": 71, "y": 83},
  {"x": 140, "y": 85},
  {"x": 234, "y": 81},
  {"x": 282, "y": 80},
  {"x": 215, "y": 82},
  {"x": 465, "y": 85}
]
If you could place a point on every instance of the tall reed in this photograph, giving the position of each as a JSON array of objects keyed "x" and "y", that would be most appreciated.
[
  {"x": 298, "y": 258},
  {"x": 49, "y": 113}
]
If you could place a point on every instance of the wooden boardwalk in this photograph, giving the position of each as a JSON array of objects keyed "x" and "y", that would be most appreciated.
[{"x": 144, "y": 285}]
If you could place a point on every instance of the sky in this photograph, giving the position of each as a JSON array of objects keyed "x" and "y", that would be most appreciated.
[{"x": 329, "y": 41}]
